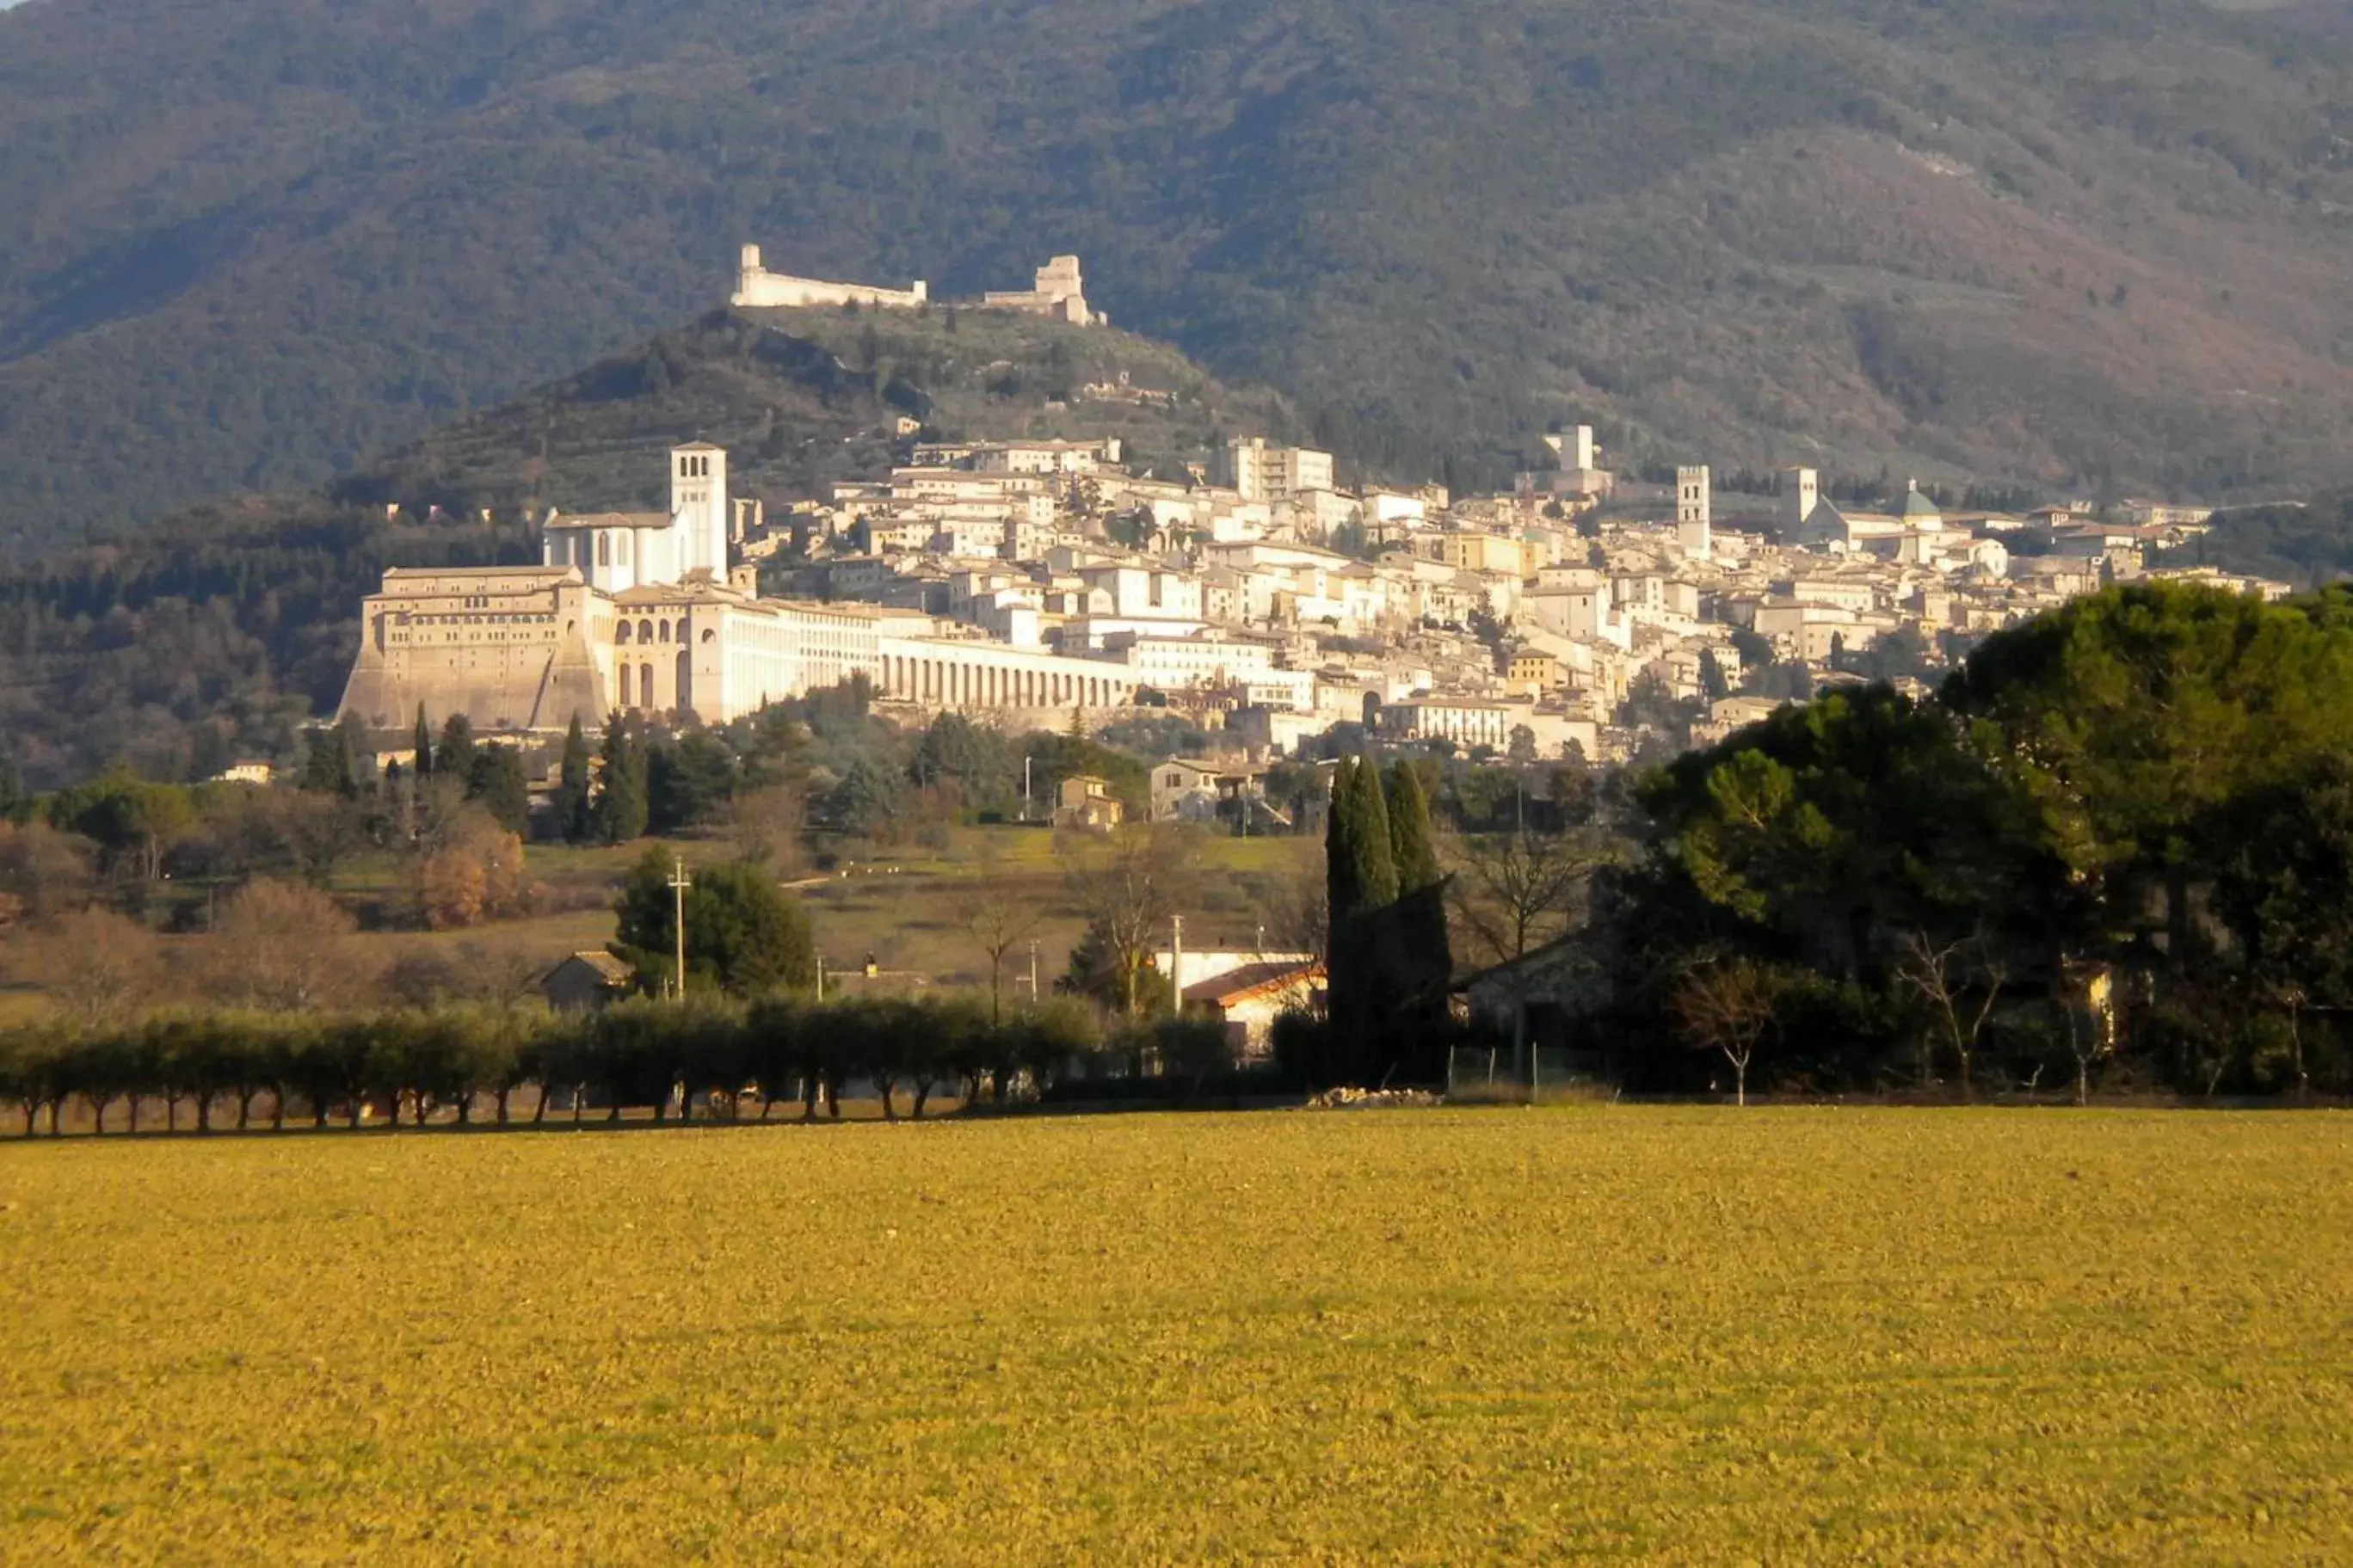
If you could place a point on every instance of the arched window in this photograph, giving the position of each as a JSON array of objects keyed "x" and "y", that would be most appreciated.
[
  {"x": 625, "y": 548},
  {"x": 604, "y": 549},
  {"x": 662, "y": 631},
  {"x": 710, "y": 637},
  {"x": 645, "y": 631},
  {"x": 621, "y": 633}
]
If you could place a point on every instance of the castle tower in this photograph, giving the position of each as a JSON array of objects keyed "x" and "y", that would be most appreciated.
[
  {"x": 1801, "y": 491},
  {"x": 1581, "y": 457},
  {"x": 698, "y": 508},
  {"x": 1695, "y": 512}
]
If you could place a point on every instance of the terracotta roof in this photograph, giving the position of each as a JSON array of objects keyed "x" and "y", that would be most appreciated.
[
  {"x": 1251, "y": 980},
  {"x": 615, "y": 971}
]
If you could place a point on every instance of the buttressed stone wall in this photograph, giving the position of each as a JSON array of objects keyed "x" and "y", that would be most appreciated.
[{"x": 511, "y": 647}]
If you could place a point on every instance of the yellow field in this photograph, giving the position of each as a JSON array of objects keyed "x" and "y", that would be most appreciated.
[{"x": 1701, "y": 1335}]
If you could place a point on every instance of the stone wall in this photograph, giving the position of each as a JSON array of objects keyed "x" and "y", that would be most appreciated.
[{"x": 759, "y": 289}]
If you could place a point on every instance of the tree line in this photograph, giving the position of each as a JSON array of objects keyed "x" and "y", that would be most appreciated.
[
  {"x": 710, "y": 1055},
  {"x": 2114, "y": 849}
]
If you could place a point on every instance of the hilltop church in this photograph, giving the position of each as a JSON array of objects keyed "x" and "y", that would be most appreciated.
[{"x": 638, "y": 612}]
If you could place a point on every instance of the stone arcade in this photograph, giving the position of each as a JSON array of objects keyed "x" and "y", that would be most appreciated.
[{"x": 640, "y": 612}]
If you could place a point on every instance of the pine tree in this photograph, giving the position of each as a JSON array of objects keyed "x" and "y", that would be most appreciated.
[
  {"x": 1376, "y": 862},
  {"x": 424, "y": 745},
  {"x": 1410, "y": 848},
  {"x": 621, "y": 802},
  {"x": 572, "y": 816}
]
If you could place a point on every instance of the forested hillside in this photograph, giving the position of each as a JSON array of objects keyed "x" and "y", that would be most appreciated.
[
  {"x": 2071, "y": 240},
  {"x": 213, "y": 634}
]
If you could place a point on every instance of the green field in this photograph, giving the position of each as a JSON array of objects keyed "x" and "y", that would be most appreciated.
[{"x": 1693, "y": 1335}]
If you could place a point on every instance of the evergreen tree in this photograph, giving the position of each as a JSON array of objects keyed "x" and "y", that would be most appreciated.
[
  {"x": 688, "y": 781},
  {"x": 499, "y": 781},
  {"x": 424, "y": 744},
  {"x": 573, "y": 818},
  {"x": 1376, "y": 862},
  {"x": 327, "y": 764},
  {"x": 454, "y": 754},
  {"x": 1410, "y": 849},
  {"x": 744, "y": 935},
  {"x": 1342, "y": 893},
  {"x": 621, "y": 799}
]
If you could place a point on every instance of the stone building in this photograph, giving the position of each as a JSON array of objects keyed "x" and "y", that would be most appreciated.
[
  {"x": 640, "y": 612},
  {"x": 1057, "y": 294}
]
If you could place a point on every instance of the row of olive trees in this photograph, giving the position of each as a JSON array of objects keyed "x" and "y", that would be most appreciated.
[{"x": 477, "y": 1063}]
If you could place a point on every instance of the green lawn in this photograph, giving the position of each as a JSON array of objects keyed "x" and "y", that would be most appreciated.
[{"x": 1684, "y": 1335}]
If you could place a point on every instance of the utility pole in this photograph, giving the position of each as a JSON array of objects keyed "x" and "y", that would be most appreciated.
[
  {"x": 1176, "y": 963},
  {"x": 679, "y": 883},
  {"x": 1033, "y": 971},
  {"x": 820, "y": 977},
  {"x": 1025, "y": 759}
]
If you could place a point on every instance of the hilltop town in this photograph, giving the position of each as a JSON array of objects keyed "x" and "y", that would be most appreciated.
[{"x": 1583, "y": 614}]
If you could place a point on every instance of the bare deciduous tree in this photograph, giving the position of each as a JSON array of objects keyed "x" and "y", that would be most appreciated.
[
  {"x": 1127, "y": 883},
  {"x": 47, "y": 871},
  {"x": 285, "y": 946},
  {"x": 1725, "y": 1005},
  {"x": 998, "y": 918},
  {"x": 1516, "y": 891},
  {"x": 95, "y": 965},
  {"x": 1944, "y": 979},
  {"x": 1297, "y": 902},
  {"x": 765, "y": 826}
]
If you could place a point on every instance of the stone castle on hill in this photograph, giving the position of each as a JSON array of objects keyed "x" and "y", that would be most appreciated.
[
  {"x": 642, "y": 613},
  {"x": 1058, "y": 293}
]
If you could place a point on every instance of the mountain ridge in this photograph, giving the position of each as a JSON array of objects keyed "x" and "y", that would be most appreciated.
[{"x": 2102, "y": 243}]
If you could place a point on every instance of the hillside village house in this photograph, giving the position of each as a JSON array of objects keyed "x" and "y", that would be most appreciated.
[{"x": 1086, "y": 801}]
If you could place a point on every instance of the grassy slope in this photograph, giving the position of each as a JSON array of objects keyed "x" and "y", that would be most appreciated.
[
  {"x": 261, "y": 244},
  {"x": 1684, "y": 1335},
  {"x": 901, "y": 907}
]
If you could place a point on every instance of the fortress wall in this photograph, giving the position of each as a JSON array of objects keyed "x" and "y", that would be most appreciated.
[{"x": 774, "y": 291}]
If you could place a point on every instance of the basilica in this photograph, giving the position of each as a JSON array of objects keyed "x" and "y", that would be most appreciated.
[{"x": 641, "y": 613}]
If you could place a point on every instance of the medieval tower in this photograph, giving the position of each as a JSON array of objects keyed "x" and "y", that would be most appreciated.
[{"x": 1694, "y": 513}]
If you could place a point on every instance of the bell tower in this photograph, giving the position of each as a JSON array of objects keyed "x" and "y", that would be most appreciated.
[
  {"x": 1695, "y": 512},
  {"x": 698, "y": 508}
]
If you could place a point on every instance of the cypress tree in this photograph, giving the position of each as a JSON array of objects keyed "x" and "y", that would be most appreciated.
[
  {"x": 1343, "y": 892},
  {"x": 1375, "y": 861},
  {"x": 1409, "y": 846},
  {"x": 621, "y": 803},
  {"x": 424, "y": 745},
  {"x": 454, "y": 754},
  {"x": 572, "y": 812}
]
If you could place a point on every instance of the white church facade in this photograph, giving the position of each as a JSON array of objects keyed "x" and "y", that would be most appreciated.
[{"x": 640, "y": 612}]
